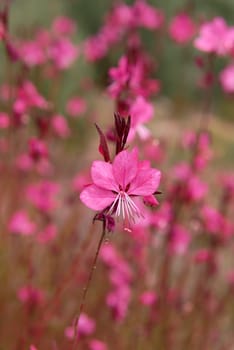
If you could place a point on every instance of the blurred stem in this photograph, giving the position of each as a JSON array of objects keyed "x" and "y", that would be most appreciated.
[
  {"x": 52, "y": 304},
  {"x": 86, "y": 288},
  {"x": 207, "y": 104}
]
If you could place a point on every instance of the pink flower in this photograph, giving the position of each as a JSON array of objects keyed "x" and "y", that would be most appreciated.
[
  {"x": 215, "y": 36},
  {"x": 227, "y": 78},
  {"x": 116, "y": 185},
  {"x": 60, "y": 126},
  {"x": 148, "y": 298},
  {"x": 21, "y": 224},
  {"x": 63, "y": 26},
  {"x": 95, "y": 344},
  {"x": 31, "y": 53},
  {"x": 37, "y": 149},
  {"x": 86, "y": 326},
  {"x": 48, "y": 234},
  {"x": 141, "y": 112},
  {"x": 32, "y": 347},
  {"x": 31, "y": 295},
  {"x": 148, "y": 16},
  {"x": 76, "y": 106},
  {"x": 43, "y": 195},
  {"x": 4, "y": 120},
  {"x": 179, "y": 240},
  {"x": 181, "y": 28},
  {"x": 63, "y": 53}
]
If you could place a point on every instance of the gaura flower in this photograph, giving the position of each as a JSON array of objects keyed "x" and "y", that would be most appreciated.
[{"x": 116, "y": 186}]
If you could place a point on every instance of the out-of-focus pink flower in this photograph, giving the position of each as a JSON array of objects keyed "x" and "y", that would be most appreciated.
[
  {"x": 21, "y": 224},
  {"x": 212, "y": 219},
  {"x": 24, "y": 162},
  {"x": 63, "y": 52},
  {"x": 76, "y": 106},
  {"x": 118, "y": 300},
  {"x": 215, "y": 37},
  {"x": 43, "y": 195},
  {"x": 60, "y": 126},
  {"x": 4, "y": 120},
  {"x": 86, "y": 326},
  {"x": 96, "y": 344},
  {"x": 147, "y": 16},
  {"x": 179, "y": 240},
  {"x": 27, "y": 97},
  {"x": 31, "y": 53},
  {"x": 182, "y": 28},
  {"x": 227, "y": 181},
  {"x": 80, "y": 181},
  {"x": 30, "y": 295},
  {"x": 122, "y": 15},
  {"x": 141, "y": 112},
  {"x": 203, "y": 256},
  {"x": 37, "y": 149},
  {"x": 116, "y": 185},
  {"x": 32, "y": 347},
  {"x": 63, "y": 26},
  {"x": 48, "y": 234},
  {"x": 226, "y": 77},
  {"x": 2, "y": 30},
  {"x": 148, "y": 298},
  {"x": 119, "y": 76}
]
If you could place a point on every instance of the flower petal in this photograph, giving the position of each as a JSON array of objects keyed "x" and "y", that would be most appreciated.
[
  {"x": 125, "y": 167},
  {"x": 102, "y": 175},
  {"x": 96, "y": 198},
  {"x": 145, "y": 183}
]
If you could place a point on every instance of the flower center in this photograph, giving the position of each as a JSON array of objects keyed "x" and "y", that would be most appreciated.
[{"x": 124, "y": 206}]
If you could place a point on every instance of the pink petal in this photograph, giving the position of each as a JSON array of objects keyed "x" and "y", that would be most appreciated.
[
  {"x": 96, "y": 198},
  {"x": 125, "y": 167},
  {"x": 102, "y": 175},
  {"x": 145, "y": 183}
]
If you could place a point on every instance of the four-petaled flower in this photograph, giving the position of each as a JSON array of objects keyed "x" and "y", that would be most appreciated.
[{"x": 116, "y": 186}]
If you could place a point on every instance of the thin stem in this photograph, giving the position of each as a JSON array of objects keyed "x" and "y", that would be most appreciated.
[{"x": 86, "y": 288}]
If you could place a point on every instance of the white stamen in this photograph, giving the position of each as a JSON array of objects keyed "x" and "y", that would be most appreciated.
[{"x": 124, "y": 206}]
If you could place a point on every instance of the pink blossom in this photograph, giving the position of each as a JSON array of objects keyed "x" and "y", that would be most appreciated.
[
  {"x": 212, "y": 219},
  {"x": 141, "y": 112},
  {"x": 215, "y": 36},
  {"x": 48, "y": 234},
  {"x": 227, "y": 78},
  {"x": 31, "y": 295},
  {"x": 31, "y": 53},
  {"x": 95, "y": 344},
  {"x": 28, "y": 96},
  {"x": 76, "y": 106},
  {"x": 116, "y": 185},
  {"x": 63, "y": 26},
  {"x": 147, "y": 16},
  {"x": 122, "y": 15},
  {"x": 148, "y": 298},
  {"x": 43, "y": 195},
  {"x": 120, "y": 76},
  {"x": 179, "y": 240},
  {"x": 118, "y": 301},
  {"x": 37, "y": 149},
  {"x": 20, "y": 223},
  {"x": 63, "y": 52},
  {"x": 32, "y": 347},
  {"x": 182, "y": 28},
  {"x": 202, "y": 256},
  {"x": 4, "y": 120},
  {"x": 86, "y": 326},
  {"x": 79, "y": 181},
  {"x": 60, "y": 126},
  {"x": 24, "y": 162}
]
